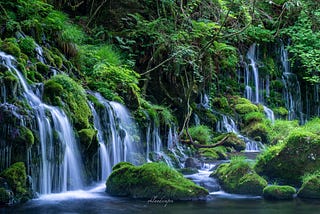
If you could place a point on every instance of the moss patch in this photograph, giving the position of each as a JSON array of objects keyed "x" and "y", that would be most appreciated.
[
  {"x": 276, "y": 192},
  {"x": 150, "y": 180},
  {"x": 310, "y": 187},
  {"x": 63, "y": 91},
  {"x": 16, "y": 177}
]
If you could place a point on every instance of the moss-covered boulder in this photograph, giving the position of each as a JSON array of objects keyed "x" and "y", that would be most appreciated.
[
  {"x": 289, "y": 161},
  {"x": 216, "y": 153},
  {"x": 5, "y": 196},
  {"x": 63, "y": 91},
  {"x": 16, "y": 177},
  {"x": 276, "y": 192},
  {"x": 150, "y": 180},
  {"x": 258, "y": 132},
  {"x": 310, "y": 187},
  {"x": 239, "y": 177},
  {"x": 233, "y": 142}
]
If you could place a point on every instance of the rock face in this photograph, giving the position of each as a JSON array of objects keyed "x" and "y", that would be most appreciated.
[
  {"x": 310, "y": 187},
  {"x": 291, "y": 160},
  {"x": 239, "y": 177},
  {"x": 152, "y": 180},
  {"x": 275, "y": 192}
]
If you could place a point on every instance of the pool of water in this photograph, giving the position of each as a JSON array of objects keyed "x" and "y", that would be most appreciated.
[{"x": 99, "y": 202}]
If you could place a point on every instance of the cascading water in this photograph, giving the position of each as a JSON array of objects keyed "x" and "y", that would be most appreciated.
[
  {"x": 115, "y": 135},
  {"x": 104, "y": 166},
  {"x": 228, "y": 125},
  {"x": 257, "y": 97},
  {"x": 292, "y": 91},
  {"x": 60, "y": 166}
]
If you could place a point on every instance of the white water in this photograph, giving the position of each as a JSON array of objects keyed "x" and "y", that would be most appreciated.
[
  {"x": 115, "y": 135},
  {"x": 292, "y": 92},
  {"x": 60, "y": 165},
  {"x": 257, "y": 97},
  {"x": 228, "y": 125}
]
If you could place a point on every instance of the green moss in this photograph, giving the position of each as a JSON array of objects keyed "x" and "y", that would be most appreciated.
[
  {"x": 258, "y": 132},
  {"x": 246, "y": 108},
  {"x": 10, "y": 46},
  {"x": 202, "y": 134},
  {"x": 27, "y": 46},
  {"x": 221, "y": 103},
  {"x": 4, "y": 196},
  {"x": 87, "y": 136},
  {"x": 42, "y": 68},
  {"x": 281, "y": 112},
  {"x": 311, "y": 186},
  {"x": 16, "y": 177},
  {"x": 238, "y": 176},
  {"x": 292, "y": 159},
  {"x": 281, "y": 129},
  {"x": 232, "y": 142},
  {"x": 216, "y": 153},
  {"x": 73, "y": 98},
  {"x": 254, "y": 117},
  {"x": 275, "y": 192},
  {"x": 152, "y": 179}
]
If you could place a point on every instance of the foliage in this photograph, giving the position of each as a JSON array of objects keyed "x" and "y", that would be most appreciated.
[
  {"x": 281, "y": 129},
  {"x": 202, "y": 134},
  {"x": 216, "y": 153},
  {"x": 151, "y": 179},
  {"x": 27, "y": 46}
]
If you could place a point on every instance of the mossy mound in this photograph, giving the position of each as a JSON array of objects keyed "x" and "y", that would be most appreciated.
[
  {"x": 289, "y": 161},
  {"x": 310, "y": 187},
  {"x": 16, "y": 177},
  {"x": 216, "y": 153},
  {"x": 258, "y": 132},
  {"x": 233, "y": 142},
  {"x": 239, "y": 177},
  {"x": 150, "y": 180},
  {"x": 276, "y": 192},
  {"x": 4, "y": 196},
  {"x": 63, "y": 91}
]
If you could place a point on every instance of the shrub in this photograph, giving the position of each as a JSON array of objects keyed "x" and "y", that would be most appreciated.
[{"x": 202, "y": 134}]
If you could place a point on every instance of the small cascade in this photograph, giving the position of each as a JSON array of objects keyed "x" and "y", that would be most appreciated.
[
  {"x": 104, "y": 167},
  {"x": 60, "y": 166},
  {"x": 115, "y": 135},
  {"x": 175, "y": 147},
  {"x": 154, "y": 145},
  {"x": 204, "y": 101},
  {"x": 292, "y": 91},
  {"x": 196, "y": 120},
  {"x": 227, "y": 125},
  {"x": 39, "y": 52},
  {"x": 257, "y": 97},
  {"x": 202, "y": 178},
  {"x": 252, "y": 56}
]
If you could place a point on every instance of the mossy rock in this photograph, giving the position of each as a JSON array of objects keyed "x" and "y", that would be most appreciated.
[
  {"x": 11, "y": 47},
  {"x": 152, "y": 179},
  {"x": 253, "y": 117},
  {"x": 24, "y": 137},
  {"x": 4, "y": 196},
  {"x": 310, "y": 187},
  {"x": 71, "y": 96},
  {"x": 276, "y": 192},
  {"x": 87, "y": 136},
  {"x": 246, "y": 108},
  {"x": 281, "y": 112},
  {"x": 27, "y": 46},
  {"x": 289, "y": 161},
  {"x": 201, "y": 133},
  {"x": 188, "y": 171},
  {"x": 16, "y": 177},
  {"x": 42, "y": 68},
  {"x": 233, "y": 141},
  {"x": 216, "y": 153},
  {"x": 258, "y": 132},
  {"x": 239, "y": 177}
]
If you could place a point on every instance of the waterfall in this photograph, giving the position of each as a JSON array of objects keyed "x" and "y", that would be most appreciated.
[
  {"x": 116, "y": 130},
  {"x": 60, "y": 164},
  {"x": 104, "y": 166},
  {"x": 292, "y": 91},
  {"x": 257, "y": 96},
  {"x": 228, "y": 125}
]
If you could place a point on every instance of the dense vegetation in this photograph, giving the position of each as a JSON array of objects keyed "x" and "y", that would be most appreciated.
[{"x": 160, "y": 58}]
